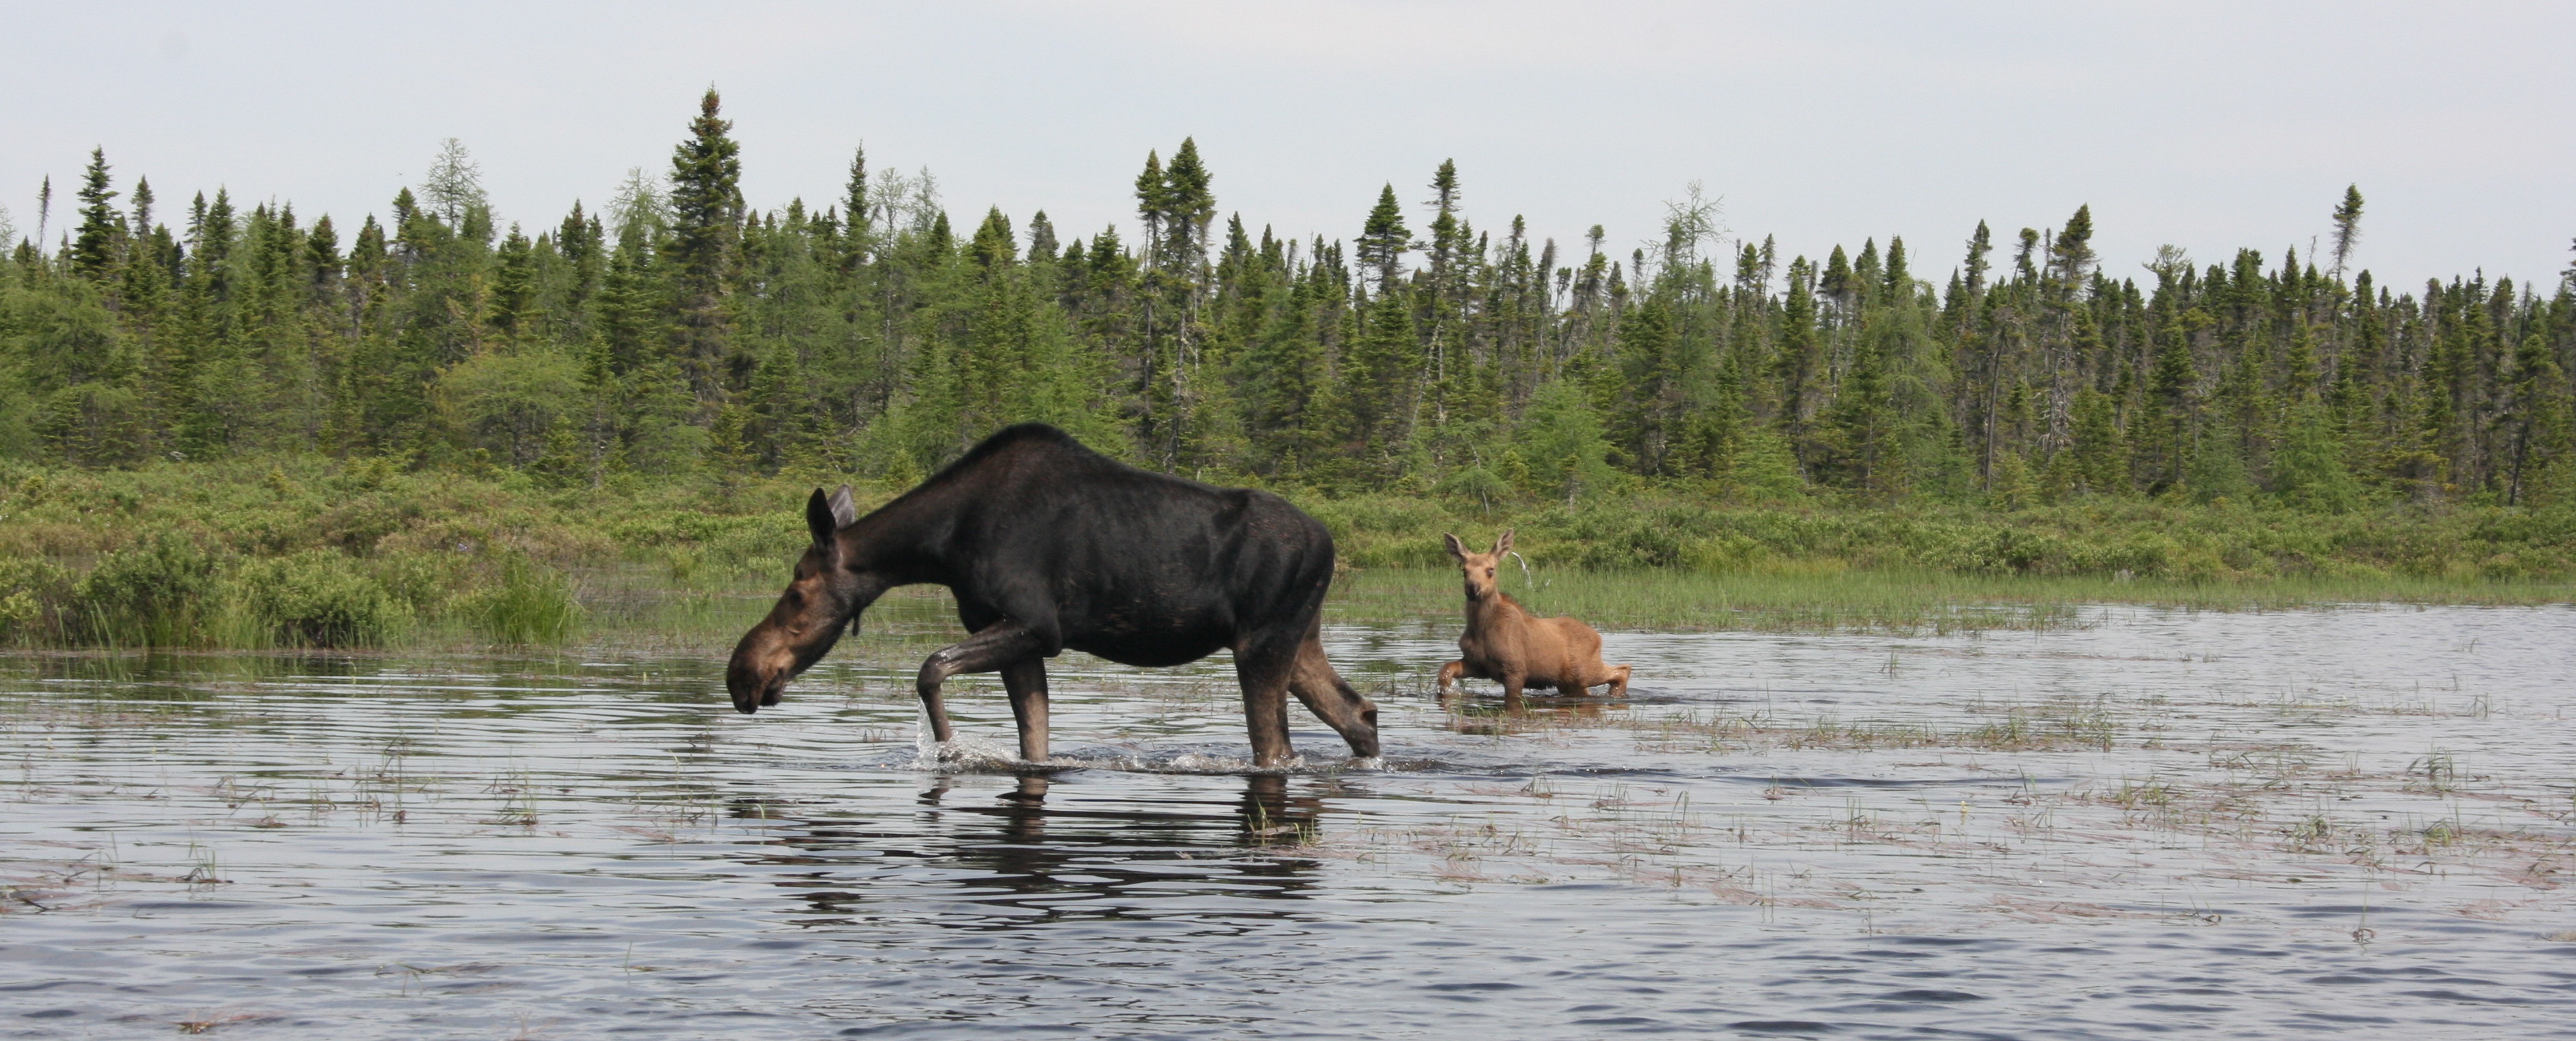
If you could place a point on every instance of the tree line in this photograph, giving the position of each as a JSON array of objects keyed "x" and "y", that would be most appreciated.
[{"x": 677, "y": 331}]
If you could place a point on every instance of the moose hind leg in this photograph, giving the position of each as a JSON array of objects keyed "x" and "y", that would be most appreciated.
[
  {"x": 997, "y": 645},
  {"x": 1026, "y": 680},
  {"x": 1332, "y": 700}
]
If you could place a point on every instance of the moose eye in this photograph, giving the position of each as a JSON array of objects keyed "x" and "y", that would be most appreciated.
[{"x": 1489, "y": 572}]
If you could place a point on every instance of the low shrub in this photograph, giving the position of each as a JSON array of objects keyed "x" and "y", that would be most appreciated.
[
  {"x": 422, "y": 583},
  {"x": 156, "y": 593},
  {"x": 34, "y": 594},
  {"x": 314, "y": 599}
]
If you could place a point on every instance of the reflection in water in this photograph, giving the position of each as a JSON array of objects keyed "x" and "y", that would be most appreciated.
[
  {"x": 1014, "y": 859},
  {"x": 1539, "y": 709},
  {"x": 2267, "y": 824}
]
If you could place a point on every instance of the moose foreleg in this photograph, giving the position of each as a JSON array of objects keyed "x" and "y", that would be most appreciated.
[
  {"x": 1026, "y": 680},
  {"x": 999, "y": 644},
  {"x": 1449, "y": 676}
]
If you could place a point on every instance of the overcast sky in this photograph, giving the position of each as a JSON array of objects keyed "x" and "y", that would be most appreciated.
[{"x": 2200, "y": 125}]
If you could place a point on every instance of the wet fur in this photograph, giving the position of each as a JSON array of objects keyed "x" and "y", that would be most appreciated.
[
  {"x": 1048, "y": 545},
  {"x": 1505, "y": 643}
]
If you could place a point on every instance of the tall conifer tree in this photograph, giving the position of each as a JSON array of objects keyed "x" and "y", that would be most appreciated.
[{"x": 706, "y": 230}]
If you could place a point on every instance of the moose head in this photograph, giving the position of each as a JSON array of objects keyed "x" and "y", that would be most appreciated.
[
  {"x": 832, "y": 585},
  {"x": 1479, "y": 568}
]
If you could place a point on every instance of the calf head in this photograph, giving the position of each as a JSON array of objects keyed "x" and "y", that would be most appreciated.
[
  {"x": 828, "y": 593},
  {"x": 1479, "y": 568}
]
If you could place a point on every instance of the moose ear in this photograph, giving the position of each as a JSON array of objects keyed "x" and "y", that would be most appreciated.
[
  {"x": 818, "y": 517},
  {"x": 844, "y": 511},
  {"x": 1456, "y": 548},
  {"x": 1504, "y": 544}
]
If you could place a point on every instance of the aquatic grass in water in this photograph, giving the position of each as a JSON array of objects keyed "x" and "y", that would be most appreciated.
[
  {"x": 528, "y": 604},
  {"x": 1856, "y": 833},
  {"x": 167, "y": 593},
  {"x": 1830, "y": 599}
]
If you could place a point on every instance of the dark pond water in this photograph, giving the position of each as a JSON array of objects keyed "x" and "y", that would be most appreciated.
[{"x": 2360, "y": 821}]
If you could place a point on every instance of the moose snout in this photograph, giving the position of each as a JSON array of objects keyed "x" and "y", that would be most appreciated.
[
  {"x": 744, "y": 681},
  {"x": 757, "y": 675}
]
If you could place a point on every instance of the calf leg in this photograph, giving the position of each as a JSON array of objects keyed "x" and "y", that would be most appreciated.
[
  {"x": 999, "y": 644},
  {"x": 1449, "y": 676},
  {"x": 1333, "y": 701},
  {"x": 1618, "y": 678},
  {"x": 1026, "y": 680},
  {"x": 1512, "y": 684}
]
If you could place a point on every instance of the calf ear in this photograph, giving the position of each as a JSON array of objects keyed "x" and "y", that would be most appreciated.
[
  {"x": 1456, "y": 548},
  {"x": 1504, "y": 544},
  {"x": 844, "y": 511},
  {"x": 818, "y": 517}
]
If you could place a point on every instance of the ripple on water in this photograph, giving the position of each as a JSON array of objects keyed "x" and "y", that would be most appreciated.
[{"x": 2090, "y": 833}]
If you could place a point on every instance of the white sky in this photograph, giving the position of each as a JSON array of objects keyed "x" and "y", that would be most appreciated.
[{"x": 2201, "y": 125}]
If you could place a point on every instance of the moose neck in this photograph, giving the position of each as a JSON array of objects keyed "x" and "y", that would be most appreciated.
[
  {"x": 1489, "y": 609},
  {"x": 871, "y": 585},
  {"x": 893, "y": 545}
]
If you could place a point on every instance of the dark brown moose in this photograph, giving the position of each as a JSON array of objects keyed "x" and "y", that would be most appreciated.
[
  {"x": 1507, "y": 644},
  {"x": 1048, "y": 545}
]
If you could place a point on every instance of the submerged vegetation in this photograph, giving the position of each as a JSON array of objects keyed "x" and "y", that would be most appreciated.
[{"x": 259, "y": 430}]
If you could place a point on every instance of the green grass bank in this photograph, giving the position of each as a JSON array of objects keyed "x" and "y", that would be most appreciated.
[{"x": 314, "y": 552}]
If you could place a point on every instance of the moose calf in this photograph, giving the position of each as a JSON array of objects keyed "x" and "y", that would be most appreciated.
[{"x": 1507, "y": 644}]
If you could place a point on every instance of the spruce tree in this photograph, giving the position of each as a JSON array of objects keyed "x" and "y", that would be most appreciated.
[
  {"x": 704, "y": 251},
  {"x": 1836, "y": 283},
  {"x": 2537, "y": 421},
  {"x": 2071, "y": 256},
  {"x": 855, "y": 227},
  {"x": 1644, "y": 383},
  {"x": 514, "y": 285},
  {"x": 2308, "y": 469},
  {"x": 2347, "y": 227},
  {"x": 1383, "y": 240},
  {"x": 1188, "y": 208},
  {"x": 95, "y": 247},
  {"x": 1861, "y": 436},
  {"x": 1377, "y": 373},
  {"x": 994, "y": 249},
  {"x": 1798, "y": 363},
  {"x": 1979, "y": 245},
  {"x": 2099, "y": 456},
  {"x": 1042, "y": 244}
]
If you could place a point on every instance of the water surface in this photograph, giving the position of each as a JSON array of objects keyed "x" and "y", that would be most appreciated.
[{"x": 2358, "y": 820}]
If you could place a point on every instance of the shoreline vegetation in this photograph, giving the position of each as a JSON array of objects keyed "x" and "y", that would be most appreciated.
[
  {"x": 311, "y": 552},
  {"x": 234, "y": 425}
]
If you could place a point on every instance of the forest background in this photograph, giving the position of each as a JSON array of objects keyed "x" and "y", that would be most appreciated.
[{"x": 259, "y": 428}]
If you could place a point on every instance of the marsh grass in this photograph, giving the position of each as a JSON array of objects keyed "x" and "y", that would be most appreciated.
[
  {"x": 166, "y": 594},
  {"x": 529, "y": 604},
  {"x": 1898, "y": 601},
  {"x": 299, "y": 551},
  {"x": 2054, "y": 727}
]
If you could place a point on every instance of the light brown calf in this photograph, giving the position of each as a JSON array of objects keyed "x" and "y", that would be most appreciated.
[{"x": 1507, "y": 644}]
